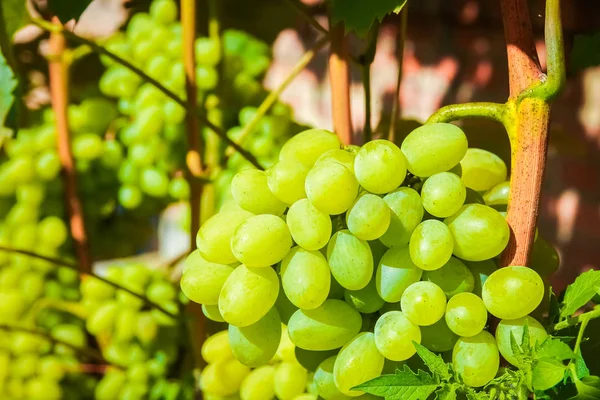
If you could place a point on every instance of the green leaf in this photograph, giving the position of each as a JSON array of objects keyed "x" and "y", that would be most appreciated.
[
  {"x": 588, "y": 388},
  {"x": 359, "y": 15},
  {"x": 580, "y": 292},
  {"x": 434, "y": 362},
  {"x": 554, "y": 348},
  {"x": 7, "y": 86},
  {"x": 525, "y": 341},
  {"x": 554, "y": 308},
  {"x": 580, "y": 368},
  {"x": 586, "y": 51},
  {"x": 473, "y": 395},
  {"x": 14, "y": 16},
  {"x": 547, "y": 373},
  {"x": 446, "y": 392},
  {"x": 404, "y": 385},
  {"x": 67, "y": 10}
]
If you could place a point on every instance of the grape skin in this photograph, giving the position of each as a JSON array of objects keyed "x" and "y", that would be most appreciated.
[
  {"x": 476, "y": 359},
  {"x": 512, "y": 292}
]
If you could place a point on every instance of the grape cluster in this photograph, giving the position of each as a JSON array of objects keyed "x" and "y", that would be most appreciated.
[
  {"x": 360, "y": 251},
  {"x": 142, "y": 342}
]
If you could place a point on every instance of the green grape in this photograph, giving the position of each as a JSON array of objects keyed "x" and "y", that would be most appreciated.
[
  {"x": 102, "y": 319},
  {"x": 380, "y": 166},
  {"x": 30, "y": 193},
  {"x": 331, "y": 187},
  {"x": 179, "y": 189},
  {"x": 407, "y": 213},
  {"x": 544, "y": 258},
  {"x": 161, "y": 291},
  {"x": 43, "y": 389},
  {"x": 141, "y": 154},
  {"x": 431, "y": 245},
  {"x": 423, "y": 303},
  {"x": 438, "y": 337},
  {"x": 515, "y": 327},
  {"x": 369, "y": 217},
  {"x": 434, "y": 148},
  {"x": 52, "y": 231},
  {"x": 309, "y": 227},
  {"x": 289, "y": 380},
  {"x": 154, "y": 182},
  {"x": 207, "y": 78},
  {"x": 138, "y": 373},
  {"x": 443, "y": 194},
  {"x": 311, "y": 359},
  {"x": 254, "y": 345},
  {"x": 324, "y": 381},
  {"x": 476, "y": 359},
  {"x": 110, "y": 385},
  {"x": 284, "y": 306},
  {"x": 174, "y": 113},
  {"x": 47, "y": 165},
  {"x": 251, "y": 192},
  {"x": 326, "y": 327},
  {"x": 202, "y": 280},
  {"x": 52, "y": 367},
  {"x": 286, "y": 349},
  {"x": 358, "y": 361},
  {"x": 453, "y": 278},
  {"x": 128, "y": 172},
  {"x": 223, "y": 378},
  {"x": 207, "y": 51},
  {"x": 71, "y": 334},
  {"x": 307, "y": 146},
  {"x": 482, "y": 170},
  {"x": 158, "y": 66},
  {"x": 212, "y": 313},
  {"x": 125, "y": 324},
  {"x": 512, "y": 292},
  {"x": 394, "y": 336},
  {"x": 343, "y": 156},
  {"x": 112, "y": 156},
  {"x": 214, "y": 237},
  {"x": 480, "y": 270},
  {"x": 259, "y": 384},
  {"x": 305, "y": 278},
  {"x": 217, "y": 348},
  {"x": 466, "y": 314},
  {"x": 25, "y": 365},
  {"x": 163, "y": 11},
  {"x": 87, "y": 146},
  {"x": 286, "y": 180},
  {"x": 497, "y": 195},
  {"x": 365, "y": 300},
  {"x": 479, "y": 231},
  {"x": 395, "y": 273},
  {"x": 261, "y": 241},
  {"x": 350, "y": 260},
  {"x": 248, "y": 294}
]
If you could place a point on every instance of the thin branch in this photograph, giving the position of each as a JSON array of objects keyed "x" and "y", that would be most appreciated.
[
  {"x": 595, "y": 313},
  {"x": 103, "y": 51},
  {"x": 272, "y": 98},
  {"x": 67, "y": 264},
  {"x": 339, "y": 76},
  {"x": 301, "y": 9},
  {"x": 59, "y": 89},
  {"x": 365, "y": 67},
  {"x": 400, "y": 57},
  {"x": 494, "y": 111}
]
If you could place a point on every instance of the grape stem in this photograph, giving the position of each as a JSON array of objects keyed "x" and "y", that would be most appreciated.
[
  {"x": 272, "y": 98},
  {"x": 339, "y": 77},
  {"x": 303, "y": 12},
  {"x": 59, "y": 89},
  {"x": 90, "y": 353},
  {"x": 453, "y": 112},
  {"x": 67, "y": 264},
  {"x": 365, "y": 62},
  {"x": 579, "y": 319},
  {"x": 196, "y": 112},
  {"x": 400, "y": 43}
]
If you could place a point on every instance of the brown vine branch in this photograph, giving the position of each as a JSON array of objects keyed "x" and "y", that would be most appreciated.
[
  {"x": 339, "y": 76},
  {"x": 59, "y": 89}
]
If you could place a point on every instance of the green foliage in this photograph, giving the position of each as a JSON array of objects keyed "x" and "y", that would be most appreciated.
[
  {"x": 580, "y": 292},
  {"x": 359, "y": 15},
  {"x": 586, "y": 51},
  {"x": 403, "y": 385},
  {"x": 67, "y": 10},
  {"x": 8, "y": 84},
  {"x": 434, "y": 362},
  {"x": 588, "y": 388},
  {"x": 13, "y": 14}
]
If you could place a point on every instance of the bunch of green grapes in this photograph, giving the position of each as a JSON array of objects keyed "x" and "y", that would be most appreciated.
[
  {"x": 348, "y": 246},
  {"x": 141, "y": 342}
]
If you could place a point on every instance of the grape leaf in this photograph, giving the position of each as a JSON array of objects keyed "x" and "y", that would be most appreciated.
[
  {"x": 67, "y": 10},
  {"x": 554, "y": 348},
  {"x": 586, "y": 51},
  {"x": 446, "y": 392},
  {"x": 434, "y": 362},
  {"x": 358, "y": 15},
  {"x": 580, "y": 368},
  {"x": 14, "y": 16},
  {"x": 7, "y": 86},
  {"x": 404, "y": 385},
  {"x": 580, "y": 292},
  {"x": 588, "y": 388},
  {"x": 547, "y": 373}
]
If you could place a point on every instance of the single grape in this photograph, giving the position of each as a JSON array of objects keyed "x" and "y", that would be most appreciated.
[
  {"x": 443, "y": 194},
  {"x": 203, "y": 280},
  {"x": 515, "y": 327},
  {"x": 431, "y": 245},
  {"x": 214, "y": 237},
  {"x": 479, "y": 231},
  {"x": 248, "y": 294},
  {"x": 343, "y": 156},
  {"x": 350, "y": 260},
  {"x": 154, "y": 182},
  {"x": 380, "y": 166},
  {"x": 52, "y": 231},
  {"x": 250, "y": 191},
  {"x": 305, "y": 278},
  {"x": 326, "y": 327},
  {"x": 512, "y": 292},
  {"x": 254, "y": 345},
  {"x": 290, "y": 380},
  {"x": 394, "y": 334},
  {"x": 544, "y": 258},
  {"x": 453, "y": 278},
  {"x": 259, "y": 384},
  {"x": 438, "y": 337},
  {"x": 324, "y": 382},
  {"x": 309, "y": 145},
  {"x": 207, "y": 78},
  {"x": 331, "y": 187},
  {"x": 130, "y": 196},
  {"x": 286, "y": 180},
  {"x": 395, "y": 273},
  {"x": 223, "y": 378},
  {"x": 466, "y": 314},
  {"x": 369, "y": 217},
  {"x": 212, "y": 313},
  {"x": 407, "y": 213},
  {"x": 309, "y": 227},
  {"x": 358, "y": 361},
  {"x": 207, "y": 51},
  {"x": 261, "y": 241},
  {"x": 216, "y": 348},
  {"x": 423, "y": 303},
  {"x": 434, "y": 148},
  {"x": 482, "y": 170},
  {"x": 498, "y": 195},
  {"x": 179, "y": 189},
  {"x": 163, "y": 11},
  {"x": 365, "y": 300},
  {"x": 476, "y": 359}
]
